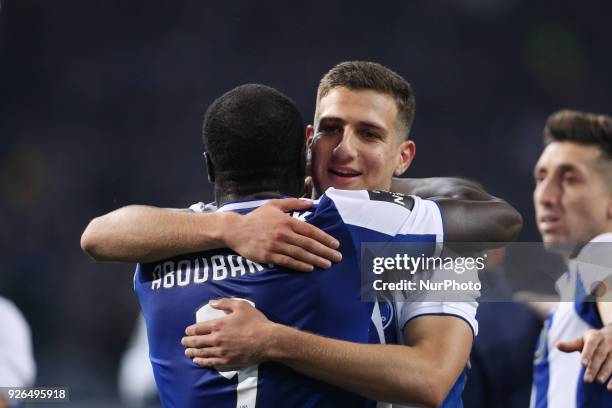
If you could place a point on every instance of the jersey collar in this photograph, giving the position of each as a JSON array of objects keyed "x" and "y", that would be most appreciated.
[{"x": 246, "y": 203}]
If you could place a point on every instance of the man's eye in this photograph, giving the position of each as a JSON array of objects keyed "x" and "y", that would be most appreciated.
[
  {"x": 569, "y": 179},
  {"x": 370, "y": 135},
  {"x": 330, "y": 129}
]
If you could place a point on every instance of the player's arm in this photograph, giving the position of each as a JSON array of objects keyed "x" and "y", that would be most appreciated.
[
  {"x": 451, "y": 187},
  {"x": 421, "y": 372},
  {"x": 596, "y": 348},
  {"x": 605, "y": 310},
  {"x": 139, "y": 233},
  {"x": 471, "y": 214},
  {"x": 540, "y": 304}
]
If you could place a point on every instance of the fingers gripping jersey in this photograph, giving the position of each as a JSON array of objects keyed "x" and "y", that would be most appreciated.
[{"x": 326, "y": 302}]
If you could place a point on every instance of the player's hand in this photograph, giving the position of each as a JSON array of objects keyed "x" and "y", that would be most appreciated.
[
  {"x": 269, "y": 235},
  {"x": 596, "y": 348},
  {"x": 237, "y": 340}
]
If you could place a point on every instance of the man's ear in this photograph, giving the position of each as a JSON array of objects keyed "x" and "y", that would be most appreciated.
[
  {"x": 210, "y": 168},
  {"x": 407, "y": 150},
  {"x": 309, "y": 137}
]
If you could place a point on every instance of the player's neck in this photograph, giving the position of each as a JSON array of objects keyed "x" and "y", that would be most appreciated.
[
  {"x": 576, "y": 252},
  {"x": 223, "y": 197},
  {"x": 231, "y": 190}
]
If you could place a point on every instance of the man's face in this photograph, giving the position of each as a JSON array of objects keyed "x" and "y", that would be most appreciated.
[
  {"x": 355, "y": 143},
  {"x": 572, "y": 201}
]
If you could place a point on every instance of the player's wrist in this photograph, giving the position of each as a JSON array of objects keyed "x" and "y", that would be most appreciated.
[
  {"x": 279, "y": 342},
  {"x": 225, "y": 228}
]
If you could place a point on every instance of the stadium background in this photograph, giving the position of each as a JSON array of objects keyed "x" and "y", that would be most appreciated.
[{"x": 101, "y": 106}]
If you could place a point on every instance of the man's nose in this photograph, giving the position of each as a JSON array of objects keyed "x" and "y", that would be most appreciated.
[
  {"x": 345, "y": 149},
  {"x": 548, "y": 192}
]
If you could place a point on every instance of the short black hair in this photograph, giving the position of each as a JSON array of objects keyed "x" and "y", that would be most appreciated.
[
  {"x": 366, "y": 75},
  {"x": 254, "y": 136},
  {"x": 582, "y": 128}
]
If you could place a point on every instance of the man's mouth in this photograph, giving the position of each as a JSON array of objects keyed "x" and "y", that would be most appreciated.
[
  {"x": 550, "y": 223},
  {"x": 343, "y": 175}
]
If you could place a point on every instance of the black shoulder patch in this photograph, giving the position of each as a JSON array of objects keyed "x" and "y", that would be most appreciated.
[{"x": 395, "y": 198}]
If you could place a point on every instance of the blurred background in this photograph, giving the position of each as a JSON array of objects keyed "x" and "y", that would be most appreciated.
[{"x": 101, "y": 106}]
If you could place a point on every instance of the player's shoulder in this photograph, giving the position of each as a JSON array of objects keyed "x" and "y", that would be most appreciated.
[
  {"x": 8, "y": 310},
  {"x": 358, "y": 196},
  {"x": 372, "y": 207},
  {"x": 402, "y": 200},
  {"x": 13, "y": 320},
  {"x": 390, "y": 213}
]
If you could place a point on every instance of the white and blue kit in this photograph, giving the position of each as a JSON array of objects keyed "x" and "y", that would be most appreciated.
[
  {"x": 172, "y": 291},
  {"x": 17, "y": 366},
  {"x": 558, "y": 376}
]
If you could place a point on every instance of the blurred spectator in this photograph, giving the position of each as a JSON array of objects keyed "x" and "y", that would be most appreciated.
[
  {"x": 137, "y": 387},
  {"x": 502, "y": 355},
  {"x": 17, "y": 367}
]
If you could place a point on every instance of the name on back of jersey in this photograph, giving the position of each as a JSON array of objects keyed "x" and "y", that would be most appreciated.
[
  {"x": 391, "y": 197},
  {"x": 201, "y": 269}
]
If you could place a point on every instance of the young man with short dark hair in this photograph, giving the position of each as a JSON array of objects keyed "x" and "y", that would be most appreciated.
[{"x": 573, "y": 201}]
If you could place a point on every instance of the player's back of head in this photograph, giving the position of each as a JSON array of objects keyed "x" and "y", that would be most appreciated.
[{"x": 254, "y": 136}]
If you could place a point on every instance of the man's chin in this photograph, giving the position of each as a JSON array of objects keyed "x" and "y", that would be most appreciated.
[
  {"x": 558, "y": 245},
  {"x": 347, "y": 186}
]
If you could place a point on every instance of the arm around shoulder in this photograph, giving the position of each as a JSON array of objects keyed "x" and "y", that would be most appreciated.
[
  {"x": 471, "y": 214},
  {"x": 139, "y": 233}
]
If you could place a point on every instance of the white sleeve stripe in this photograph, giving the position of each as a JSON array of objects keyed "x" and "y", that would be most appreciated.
[{"x": 445, "y": 310}]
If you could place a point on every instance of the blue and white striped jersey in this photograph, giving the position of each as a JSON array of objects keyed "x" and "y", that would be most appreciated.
[
  {"x": 172, "y": 291},
  {"x": 558, "y": 376},
  {"x": 396, "y": 315}
]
